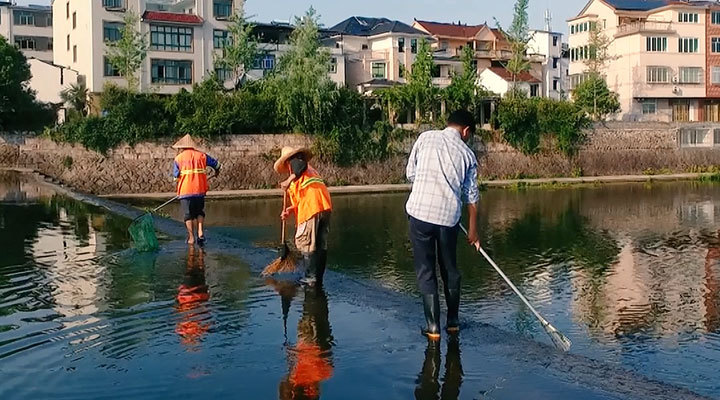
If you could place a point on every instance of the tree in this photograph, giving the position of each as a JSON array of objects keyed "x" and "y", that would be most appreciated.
[
  {"x": 419, "y": 84},
  {"x": 518, "y": 36},
  {"x": 76, "y": 95},
  {"x": 18, "y": 106},
  {"x": 598, "y": 58},
  {"x": 464, "y": 86},
  {"x": 240, "y": 48},
  {"x": 301, "y": 83},
  {"x": 128, "y": 54},
  {"x": 595, "y": 98}
]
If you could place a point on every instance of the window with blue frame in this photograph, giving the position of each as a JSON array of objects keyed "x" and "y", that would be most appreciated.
[
  {"x": 222, "y": 9},
  {"x": 715, "y": 44},
  {"x": 265, "y": 62},
  {"x": 716, "y": 17},
  {"x": 223, "y": 74},
  {"x": 220, "y": 38},
  {"x": 171, "y": 72},
  {"x": 171, "y": 38},
  {"x": 112, "y": 31},
  {"x": 109, "y": 69},
  {"x": 113, "y": 3}
]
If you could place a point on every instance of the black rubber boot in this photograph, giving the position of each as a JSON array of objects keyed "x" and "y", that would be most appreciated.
[
  {"x": 452, "y": 297},
  {"x": 321, "y": 263},
  {"x": 431, "y": 304}
]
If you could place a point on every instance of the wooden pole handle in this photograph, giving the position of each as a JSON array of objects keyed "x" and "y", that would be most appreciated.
[{"x": 283, "y": 221}]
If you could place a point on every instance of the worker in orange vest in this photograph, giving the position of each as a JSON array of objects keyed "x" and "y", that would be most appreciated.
[
  {"x": 310, "y": 202},
  {"x": 190, "y": 171}
]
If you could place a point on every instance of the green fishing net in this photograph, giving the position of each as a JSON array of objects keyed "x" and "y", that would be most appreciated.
[{"x": 142, "y": 231}]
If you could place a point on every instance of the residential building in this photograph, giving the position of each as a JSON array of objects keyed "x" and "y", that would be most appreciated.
[
  {"x": 549, "y": 46},
  {"x": 665, "y": 56},
  {"x": 184, "y": 36},
  {"x": 29, "y": 27},
  {"x": 48, "y": 80},
  {"x": 274, "y": 42},
  {"x": 378, "y": 52},
  {"x": 499, "y": 80}
]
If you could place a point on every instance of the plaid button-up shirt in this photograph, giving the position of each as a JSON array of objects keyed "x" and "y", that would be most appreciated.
[{"x": 443, "y": 171}]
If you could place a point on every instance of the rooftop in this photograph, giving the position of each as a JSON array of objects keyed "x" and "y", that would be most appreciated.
[
  {"x": 366, "y": 26},
  {"x": 172, "y": 17},
  {"x": 450, "y": 30},
  {"x": 506, "y": 75}
]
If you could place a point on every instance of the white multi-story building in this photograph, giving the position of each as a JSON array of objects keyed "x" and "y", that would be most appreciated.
[
  {"x": 184, "y": 36},
  {"x": 548, "y": 45},
  {"x": 29, "y": 28}
]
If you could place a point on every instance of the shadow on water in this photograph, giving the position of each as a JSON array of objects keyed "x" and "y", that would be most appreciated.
[{"x": 429, "y": 386}]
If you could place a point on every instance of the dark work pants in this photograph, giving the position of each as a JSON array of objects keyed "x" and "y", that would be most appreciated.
[{"x": 434, "y": 244}]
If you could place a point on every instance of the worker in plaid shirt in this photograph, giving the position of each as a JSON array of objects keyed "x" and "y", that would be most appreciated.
[{"x": 443, "y": 172}]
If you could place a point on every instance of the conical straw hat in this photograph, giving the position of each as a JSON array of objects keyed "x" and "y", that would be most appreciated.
[
  {"x": 186, "y": 142},
  {"x": 286, "y": 153}
]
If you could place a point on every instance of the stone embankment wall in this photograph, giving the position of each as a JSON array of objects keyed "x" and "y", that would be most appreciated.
[{"x": 613, "y": 149}]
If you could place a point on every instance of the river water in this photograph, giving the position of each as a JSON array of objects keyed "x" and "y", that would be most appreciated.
[{"x": 631, "y": 273}]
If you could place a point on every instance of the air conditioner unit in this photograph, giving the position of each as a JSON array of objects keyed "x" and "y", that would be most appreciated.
[
  {"x": 674, "y": 80},
  {"x": 676, "y": 90}
]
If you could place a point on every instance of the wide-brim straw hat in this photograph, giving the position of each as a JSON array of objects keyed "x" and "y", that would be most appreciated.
[
  {"x": 186, "y": 142},
  {"x": 286, "y": 153}
]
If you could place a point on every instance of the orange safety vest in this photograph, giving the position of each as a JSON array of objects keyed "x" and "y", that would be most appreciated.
[
  {"x": 193, "y": 174},
  {"x": 310, "y": 195}
]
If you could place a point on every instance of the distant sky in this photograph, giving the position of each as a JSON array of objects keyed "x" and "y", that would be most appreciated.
[{"x": 467, "y": 11}]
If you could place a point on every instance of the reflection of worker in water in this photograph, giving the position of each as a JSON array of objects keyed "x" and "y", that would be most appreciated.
[
  {"x": 192, "y": 294},
  {"x": 712, "y": 287},
  {"x": 428, "y": 385},
  {"x": 310, "y": 359}
]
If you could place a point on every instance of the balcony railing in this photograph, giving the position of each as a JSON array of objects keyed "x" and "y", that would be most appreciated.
[{"x": 644, "y": 27}]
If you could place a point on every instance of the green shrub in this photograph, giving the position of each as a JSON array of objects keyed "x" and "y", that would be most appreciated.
[
  {"x": 563, "y": 120},
  {"x": 518, "y": 120}
]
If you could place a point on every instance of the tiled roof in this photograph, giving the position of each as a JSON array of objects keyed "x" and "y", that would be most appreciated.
[
  {"x": 451, "y": 30},
  {"x": 172, "y": 17},
  {"x": 506, "y": 75},
  {"x": 364, "y": 26}
]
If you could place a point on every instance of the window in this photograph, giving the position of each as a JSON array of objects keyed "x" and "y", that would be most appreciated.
[
  {"x": 333, "y": 65},
  {"x": 74, "y": 20},
  {"x": 171, "y": 72},
  {"x": 25, "y": 43},
  {"x": 220, "y": 38},
  {"x": 715, "y": 45},
  {"x": 690, "y": 75},
  {"x": 50, "y": 45},
  {"x": 534, "y": 89},
  {"x": 401, "y": 45},
  {"x": 401, "y": 71},
  {"x": 223, "y": 74},
  {"x": 688, "y": 17},
  {"x": 413, "y": 46},
  {"x": 716, "y": 17},
  {"x": 555, "y": 41},
  {"x": 67, "y": 10},
  {"x": 378, "y": 70},
  {"x": 265, "y": 62},
  {"x": 112, "y": 31},
  {"x": 471, "y": 45},
  {"x": 171, "y": 38},
  {"x": 715, "y": 75},
  {"x": 693, "y": 137},
  {"x": 364, "y": 47},
  {"x": 113, "y": 4},
  {"x": 222, "y": 9},
  {"x": 688, "y": 45},
  {"x": 572, "y": 29},
  {"x": 658, "y": 74},
  {"x": 555, "y": 84},
  {"x": 716, "y": 137},
  {"x": 68, "y": 42},
  {"x": 649, "y": 106},
  {"x": 75, "y": 53},
  {"x": 23, "y": 18},
  {"x": 656, "y": 44},
  {"x": 555, "y": 62},
  {"x": 109, "y": 69}
]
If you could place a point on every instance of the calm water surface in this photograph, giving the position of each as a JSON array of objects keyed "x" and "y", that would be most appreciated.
[{"x": 630, "y": 273}]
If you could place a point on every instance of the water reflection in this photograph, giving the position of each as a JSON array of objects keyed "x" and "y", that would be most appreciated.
[
  {"x": 191, "y": 298},
  {"x": 310, "y": 359},
  {"x": 429, "y": 386},
  {"x": 712, "y": 286}
]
